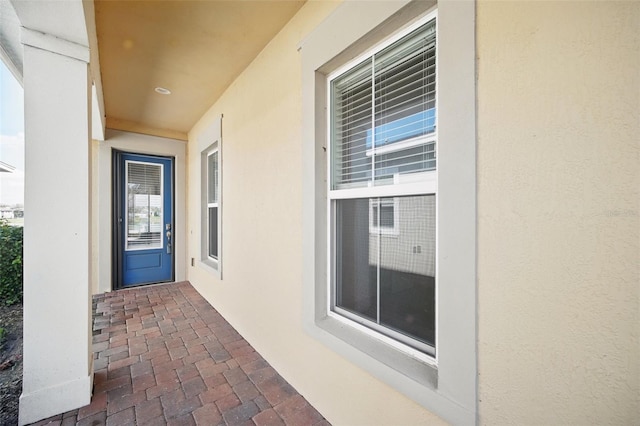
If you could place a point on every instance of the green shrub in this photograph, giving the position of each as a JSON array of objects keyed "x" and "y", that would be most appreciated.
[{"x": 10, "y": 263}]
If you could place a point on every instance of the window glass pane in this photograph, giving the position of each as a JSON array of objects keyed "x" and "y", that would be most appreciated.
[
  {"x": 382, "y": 215},
  {"x": 213, "y": 232},
  {"x": 416, "y": 159},
  {"x": 382, "y": 111},
  {"x": 144, "y": 205},
  {"x": 356, "y": 273},
  {"x": 386, "y": 277},
  {"x": 407, "y": 269},
  {"x": 351, "y": 123},
  {"x": 387, "y": 212},
  {"x": 212, "y": 178},
  {"x": 405, "y": 87}
]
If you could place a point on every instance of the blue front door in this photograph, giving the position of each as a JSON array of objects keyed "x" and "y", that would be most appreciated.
[{"x": 145, "y": 219}]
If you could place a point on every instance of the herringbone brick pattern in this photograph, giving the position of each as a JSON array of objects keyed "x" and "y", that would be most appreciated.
[{"x": 164, "y": 356}]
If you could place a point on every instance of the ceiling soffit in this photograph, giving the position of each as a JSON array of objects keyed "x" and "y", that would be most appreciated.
[{"x": 193, "y": 48}]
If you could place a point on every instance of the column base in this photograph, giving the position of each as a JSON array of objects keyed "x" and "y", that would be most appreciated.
[{"x": 48, "y": 402}]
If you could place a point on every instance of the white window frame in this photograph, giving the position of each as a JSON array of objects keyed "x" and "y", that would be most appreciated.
[
  {"x": 421, "y": 183},
  {"x": 210, "y": 141},
  {"x": 377, "y": 228},
  {"x": 448, "y": 386}
]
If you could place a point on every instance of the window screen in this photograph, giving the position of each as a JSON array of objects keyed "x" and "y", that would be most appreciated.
[{"x": 388, "y": 279}]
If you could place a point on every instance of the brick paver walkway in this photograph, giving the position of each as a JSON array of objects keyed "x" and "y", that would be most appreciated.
[{"x": 163, "y": 355}]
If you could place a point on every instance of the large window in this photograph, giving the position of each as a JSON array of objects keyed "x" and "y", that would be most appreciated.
[
  {"x": 383, "y": 188},
  {"x": 389, "y": 196}
]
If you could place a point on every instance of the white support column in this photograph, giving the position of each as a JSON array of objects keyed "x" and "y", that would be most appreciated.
[{"x": 58, "y": 362}]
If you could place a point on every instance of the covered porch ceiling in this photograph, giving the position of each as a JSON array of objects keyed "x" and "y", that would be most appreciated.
[{"x": 195, "y": 49}]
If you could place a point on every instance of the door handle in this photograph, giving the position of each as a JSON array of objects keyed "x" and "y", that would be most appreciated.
[{"x": 168, "y": 233}]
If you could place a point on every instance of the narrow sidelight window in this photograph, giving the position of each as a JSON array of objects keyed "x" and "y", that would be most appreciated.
[
  {"x": 212, "y": 204},
  {"x": 211, "y": 201}
]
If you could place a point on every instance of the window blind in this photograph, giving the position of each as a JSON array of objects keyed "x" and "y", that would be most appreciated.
[
  {"x": 144, "y": 178},
  {"x": 213, "y": 178},
  {"x": 384, "y": 113}
]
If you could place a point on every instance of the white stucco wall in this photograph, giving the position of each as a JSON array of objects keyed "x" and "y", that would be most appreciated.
[
  {"x": 558, "y": 203},
  {"x": 558, "y": 220}
]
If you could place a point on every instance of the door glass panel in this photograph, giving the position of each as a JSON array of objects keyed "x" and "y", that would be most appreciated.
[{"x": 144, "y": 205}]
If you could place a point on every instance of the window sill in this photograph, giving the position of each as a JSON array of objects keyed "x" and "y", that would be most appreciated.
[
  {"x": 419, "y": 370},
  {"x": 210, "y": 266}
]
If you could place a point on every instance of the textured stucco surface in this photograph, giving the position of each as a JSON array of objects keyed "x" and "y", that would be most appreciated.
[{"x": 559, "y": 216}]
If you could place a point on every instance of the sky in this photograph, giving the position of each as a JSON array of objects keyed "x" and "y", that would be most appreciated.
[{"x": 11, "y": 137}]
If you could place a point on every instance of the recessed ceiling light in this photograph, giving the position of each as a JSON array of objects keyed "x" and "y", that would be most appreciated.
[{"x": 162, "y": 91}]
